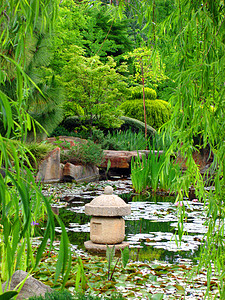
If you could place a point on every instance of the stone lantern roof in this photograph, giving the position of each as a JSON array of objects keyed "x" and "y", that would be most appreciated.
[{"x": 107, "y": 205}]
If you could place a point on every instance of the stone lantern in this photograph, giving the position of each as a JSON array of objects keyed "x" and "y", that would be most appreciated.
[{"x": 107, "y": 225}]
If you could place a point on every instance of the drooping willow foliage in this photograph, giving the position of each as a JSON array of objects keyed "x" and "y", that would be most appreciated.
[
  {"x": 21, "y": 200},
  {"x": 198, "y": 51},
  {"x": 191, "y": 42}
]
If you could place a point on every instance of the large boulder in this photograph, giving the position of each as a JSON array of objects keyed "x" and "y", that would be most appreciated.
[
  {"x": 122, "y": 159},
  {"x": 50, "y": 169},
  {"x": 32, "y": 287},
  {"x": 118, "y": 159},
  {"x": 80, "y": 173}
]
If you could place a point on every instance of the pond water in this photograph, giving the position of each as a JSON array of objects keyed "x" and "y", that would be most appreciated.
[{"x": 150, "y": 229}]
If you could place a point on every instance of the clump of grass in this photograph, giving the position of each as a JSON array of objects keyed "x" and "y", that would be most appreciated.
[
  {"x": 125, "y": 140},
  {"x": 36, "y": 152}
]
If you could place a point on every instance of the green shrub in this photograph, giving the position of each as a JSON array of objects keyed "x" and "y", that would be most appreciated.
[
  {"x": 84, "y": 154},
  {"x": 66, "y": 295},
  {"x": 55, "y": 295},
  {"x": 72, "y": 122},
  {"x": 71, "y": 108},
  {"x": 62, "y": 131},
  {"x": 157, "y": 111},
  {"x": 137, "y": 93},
  {"x": 114, "y": 296}
]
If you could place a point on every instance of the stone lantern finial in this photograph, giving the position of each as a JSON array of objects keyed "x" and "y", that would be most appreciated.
[{"x": 108, "y": 190}]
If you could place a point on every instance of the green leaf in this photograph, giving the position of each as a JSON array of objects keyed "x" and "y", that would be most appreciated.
[
  {"x": 8, "y": 295},
  {"x": 158, "y": 296},
  {"x": 125, "y": 256}
]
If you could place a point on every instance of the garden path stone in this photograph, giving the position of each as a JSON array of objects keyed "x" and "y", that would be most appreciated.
[{"x": 32, "y": 287}]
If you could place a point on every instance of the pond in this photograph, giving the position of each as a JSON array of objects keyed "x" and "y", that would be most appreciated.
[{"x": 150, "y": 229}]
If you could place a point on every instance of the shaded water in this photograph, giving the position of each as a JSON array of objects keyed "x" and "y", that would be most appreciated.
[{"x": 150, "y": 229}]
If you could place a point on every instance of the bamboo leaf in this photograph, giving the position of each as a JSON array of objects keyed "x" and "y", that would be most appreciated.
[
  {"x": 8, "y": 295},
  {"x": 125, "y": 256}
]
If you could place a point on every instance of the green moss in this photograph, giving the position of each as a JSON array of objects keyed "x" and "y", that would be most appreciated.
[
  {"x": 157, "y": 111},
  {"x": 136, "y": 125}
]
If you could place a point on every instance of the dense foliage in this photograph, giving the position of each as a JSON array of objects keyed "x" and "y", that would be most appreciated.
[
  {"x": 95, "y": 86},
  {"x": 157, "y": 111},
  {"x": 21, "y": 200},
  {"x": 78, "y": 58}
]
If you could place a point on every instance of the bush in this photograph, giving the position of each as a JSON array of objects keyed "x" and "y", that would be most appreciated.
[
  {"x": 62, "y": 131},
  {"x": 71, "y": 108},
  {"x": 157, "y": 111},
  {"x": 66, "y": 295},
  {"x": 83, "y": 154},
  {"x": 55, "y": 295},
  {"x": 137, "y": 93}
]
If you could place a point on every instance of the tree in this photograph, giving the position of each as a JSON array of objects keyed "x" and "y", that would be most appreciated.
[
  {"x": 67, "y": 31},
  {"x": 148, "y": 71},
  {"x": 97, "y": 87},
  {"x": 104, "y": 34},
  {"x": 20, "y": 204}
]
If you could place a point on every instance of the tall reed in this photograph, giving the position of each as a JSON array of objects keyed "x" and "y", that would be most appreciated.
[{"x": 152, "y": 172}]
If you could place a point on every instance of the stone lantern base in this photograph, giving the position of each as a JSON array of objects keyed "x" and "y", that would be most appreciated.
[{"x": 101, "y": 248}]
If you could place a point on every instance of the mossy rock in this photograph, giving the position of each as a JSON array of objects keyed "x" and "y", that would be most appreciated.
[
  {"x": 136, "y": 125},
  {"x": 157, "y": 111}
]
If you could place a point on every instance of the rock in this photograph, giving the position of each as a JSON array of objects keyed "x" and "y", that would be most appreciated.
[
  {"x": 32, "y": 287},
  {"x": 101, "y": 248},
  {"x": 50, "y": 169},
  {"x": 118, "y": 159},
  {"x": 80, "y": 173},
  {"x": 203, "y": 160},
  {"x": 122, "y": 159}
]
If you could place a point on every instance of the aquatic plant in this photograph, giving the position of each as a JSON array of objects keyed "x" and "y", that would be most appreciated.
[
  {"x": 140, "y": 173},
  {"x": 110, "y": 255}
]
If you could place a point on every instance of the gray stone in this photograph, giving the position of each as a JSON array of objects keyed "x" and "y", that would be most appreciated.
[
  {"x": 49, "y": 169},
  {"x": 101, "y": 248},
  {"x": 32, "y": 287},
  {"x": 80, "y": 173},
  {"x": 107, "y": 230},
  {"x": 107, "y": 205}
]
